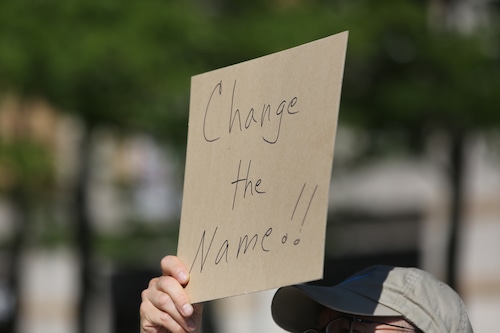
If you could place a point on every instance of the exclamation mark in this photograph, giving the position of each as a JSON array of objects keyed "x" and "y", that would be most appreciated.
[{"x": 297, "y": 241}]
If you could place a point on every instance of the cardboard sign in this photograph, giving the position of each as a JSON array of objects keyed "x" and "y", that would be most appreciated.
[{"x": 258, "y": 166}]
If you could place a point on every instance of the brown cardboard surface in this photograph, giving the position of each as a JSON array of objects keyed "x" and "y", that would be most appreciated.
[{"x": 259, "y": 157}]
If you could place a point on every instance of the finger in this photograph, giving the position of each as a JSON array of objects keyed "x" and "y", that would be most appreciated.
[
  {"x": 160, "y": 309},
  {"x": 154, "y": 320},
  {"x": 169, "y": 291},
  {"x": 172, "y": 266}
]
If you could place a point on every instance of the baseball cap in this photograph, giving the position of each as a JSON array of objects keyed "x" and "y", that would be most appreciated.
[{"x": 418, "y": 296}]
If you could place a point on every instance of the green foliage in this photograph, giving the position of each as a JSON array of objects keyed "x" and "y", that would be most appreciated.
[
  {"x": 402, "y": 74},
  {"x": 129, "y": 63},
  {"x": 109, "y": 61},
  {"x": 138, "y": 242},
  {"x": 25, "y": 164}
]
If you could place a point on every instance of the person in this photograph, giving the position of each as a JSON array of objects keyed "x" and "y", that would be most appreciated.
[{"x": 376, "y": 299}]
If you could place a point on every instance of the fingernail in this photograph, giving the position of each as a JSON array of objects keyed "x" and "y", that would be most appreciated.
[
  {"x": 187, "y": 309},
  {"x": 191, "y": 324},
  {"x": 183, "y": 277}
]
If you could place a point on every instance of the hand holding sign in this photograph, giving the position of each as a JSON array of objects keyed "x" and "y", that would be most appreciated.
[{"x": 259, "y": 157}]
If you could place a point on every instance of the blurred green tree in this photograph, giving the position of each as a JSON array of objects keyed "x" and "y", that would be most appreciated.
[
  {"x": 124, "y": 65},
  {"x": 409, "y": 76}
]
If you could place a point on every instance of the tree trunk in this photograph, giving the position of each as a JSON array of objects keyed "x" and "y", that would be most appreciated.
[
  {"x": 83, "y": 231},
  {"x": 456, "y": 174},
  {"x": 20, "y": 223}
]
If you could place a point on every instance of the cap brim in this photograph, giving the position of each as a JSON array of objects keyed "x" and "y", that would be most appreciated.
[{"x": 297, "y": 308}]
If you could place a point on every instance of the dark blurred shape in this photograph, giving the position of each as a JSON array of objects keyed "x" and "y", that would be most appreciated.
[
  {"x": 126, "y": 287},
  {"x": 358, "y": 239}
]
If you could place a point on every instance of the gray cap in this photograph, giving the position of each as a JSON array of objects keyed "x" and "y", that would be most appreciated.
[{"x": 419, "y": 297}]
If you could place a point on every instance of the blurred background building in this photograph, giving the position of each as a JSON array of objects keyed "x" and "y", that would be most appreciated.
[{"x": 94, "y": 101}]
